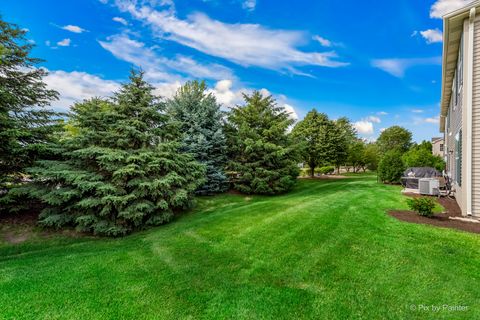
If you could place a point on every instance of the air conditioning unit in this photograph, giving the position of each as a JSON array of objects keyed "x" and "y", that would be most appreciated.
[{"x": 428, "y": 186}]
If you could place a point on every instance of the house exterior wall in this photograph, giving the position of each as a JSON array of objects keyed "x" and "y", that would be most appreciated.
[
  {"x": 475, "y": 174},
  {"x": 457, "y": 122},
  {"x": 438, "y": 147},
  {"x": 454, "y": 126}
]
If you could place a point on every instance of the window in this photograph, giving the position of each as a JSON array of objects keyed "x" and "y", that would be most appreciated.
[
  {"x": 449, "y": 115},
  {"x": 455, "y": 90},
  {"x": 458, "y": 158},
  {"x": 441, "y": 147},
  {"x": 460, "y": 62},
  {"x": 459, "y": 73}
]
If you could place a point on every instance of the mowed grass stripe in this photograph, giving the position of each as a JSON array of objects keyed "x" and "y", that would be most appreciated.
[{"x": 325, "y": 250}]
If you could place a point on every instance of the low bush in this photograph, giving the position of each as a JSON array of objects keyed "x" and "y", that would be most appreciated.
[
  {"x": 305, "y": 172},
  {"x": 423, "y": 206},
  {"x": 326, "y": 170}
]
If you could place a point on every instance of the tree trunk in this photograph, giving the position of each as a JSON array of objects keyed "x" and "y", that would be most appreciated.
[{"x": 312, "y": 171}]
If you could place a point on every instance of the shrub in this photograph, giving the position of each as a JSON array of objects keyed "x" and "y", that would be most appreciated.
[
  {"x": 423, "y": 206},
  {"x": 391, "y": 167},
  {"x": 305, "y": 172},
  {"x": 327, "y": 170},
  {"x": 420, "y": 157}
]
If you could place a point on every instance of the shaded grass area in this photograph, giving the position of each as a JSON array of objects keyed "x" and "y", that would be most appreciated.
[{"x": 325, "y": 250}]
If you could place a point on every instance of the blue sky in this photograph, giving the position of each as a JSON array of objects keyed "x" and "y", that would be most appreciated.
[{"x": 378, "y": 62}]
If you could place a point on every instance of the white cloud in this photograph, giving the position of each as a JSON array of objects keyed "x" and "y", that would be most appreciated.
[
  {"x": 75, "y": 86},
  {"x": 226, "y": 95},
  {"x": 74, "y": 29},
  {"x": 244, "y": 44},
  {"x": 432, "y": 35},
  {"x": 398, "y": 67},
  {"x": 120, "y": 20},
  {"x": 443, "y": 7},
  {"x": 249, "y": 5},
  {"x": 167, "y": 90},
  {"x": 382, "y": 113},
  {"x": 230, "y": 97},
  {"x": 417, "y": 111},
  {"x": 48, "y": 43},
  {"x": 364, "y": 127},
  {"x": 291, "y": 111},
  {"x": 434, "y": 120},
  {"x": 64, "y": 43},
  {"x": 374, "y": 119},
  {"x": 324, "y": 42},
  {"x": 159, "y": 68}
]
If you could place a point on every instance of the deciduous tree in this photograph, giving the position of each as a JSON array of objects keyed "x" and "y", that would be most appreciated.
[
  {"x": 318, "y": 137},
  {"x": 394, "y": 138}
]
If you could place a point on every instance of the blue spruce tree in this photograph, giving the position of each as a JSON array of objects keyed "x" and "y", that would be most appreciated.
[{"x": 201, "y": 120}]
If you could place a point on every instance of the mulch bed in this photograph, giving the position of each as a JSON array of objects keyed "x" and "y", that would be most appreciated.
[{"x": 439, "y": 220}]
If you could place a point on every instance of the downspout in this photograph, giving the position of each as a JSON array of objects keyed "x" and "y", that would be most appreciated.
[{"x": 471, "y": 31}]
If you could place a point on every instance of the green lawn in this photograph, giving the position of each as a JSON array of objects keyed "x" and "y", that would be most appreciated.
[{"x": 327, "y": 250}]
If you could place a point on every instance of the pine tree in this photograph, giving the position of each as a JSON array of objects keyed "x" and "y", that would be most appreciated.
[
  {"x": 261, "y": 151},
  {"x": 201, "y": 121},
  {"x": 25, "y": 125},
  {"x": 119, "y": 170}
]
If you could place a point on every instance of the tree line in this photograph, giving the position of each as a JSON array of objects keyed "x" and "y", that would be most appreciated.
[{"x": 114, "y": 165}]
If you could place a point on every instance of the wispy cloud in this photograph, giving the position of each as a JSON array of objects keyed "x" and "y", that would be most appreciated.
[
  {"x": 374, "y": 119},
  {"x": 430, "y": 35},
  {"x": 249, "y": 5},
  {"x": 382, "y": 113},
  {"x": 417, "y": 110},
  {"x": 442, "y": 7},
  {"x": 324, "y": 42},
  {"x": 120, "y": 20},
  {"x": 74, "y": 29},
  {"x": 159, "y": 68},
  {"x": 243, "y": 44},
  {"x": 64, "y": 43},
  {"x": 434, "y": 120},
  {"x": 398, "y": 67}
]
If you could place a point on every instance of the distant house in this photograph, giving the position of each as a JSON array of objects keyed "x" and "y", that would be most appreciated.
[
  {"x": 460, "y": 105},
  {"x": 438, "y": 147}
]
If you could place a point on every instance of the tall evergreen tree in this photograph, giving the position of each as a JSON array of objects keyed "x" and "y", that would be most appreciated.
[
  {"x": 120, "y": 169},
  {"x": 201, "y": 121},
  {"x": 25, "y": 125},
  {"x": 261, "y": 150}
]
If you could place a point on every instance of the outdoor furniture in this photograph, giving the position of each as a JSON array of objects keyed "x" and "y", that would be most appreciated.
[{"x": 412, "y": 175}]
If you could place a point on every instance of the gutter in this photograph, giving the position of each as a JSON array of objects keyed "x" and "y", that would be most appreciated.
[{"x": 471, "y": 31}]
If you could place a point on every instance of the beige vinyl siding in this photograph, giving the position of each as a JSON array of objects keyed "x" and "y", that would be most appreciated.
[
  {"x": 454, "y": 123},
  {"x": 475, "y": 174}
]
